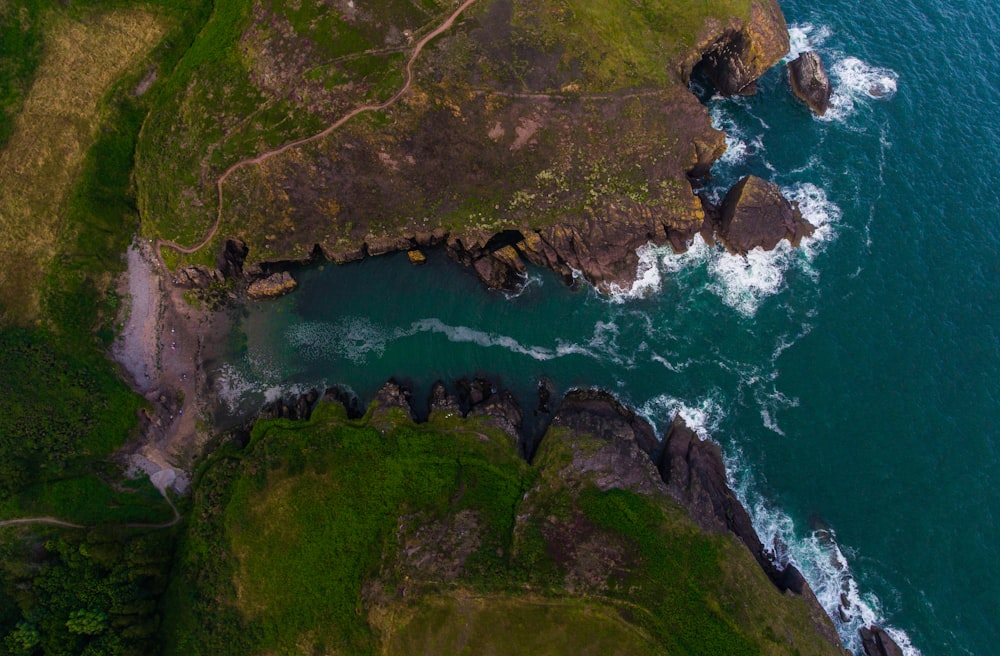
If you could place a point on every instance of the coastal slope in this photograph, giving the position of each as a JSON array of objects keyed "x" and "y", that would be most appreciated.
[
  {"x": 380, "y": 534},
  {"x": 561, "y": 134}
]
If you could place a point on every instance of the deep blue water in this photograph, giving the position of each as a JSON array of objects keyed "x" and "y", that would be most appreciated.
[{"x": 853, "y": 384}]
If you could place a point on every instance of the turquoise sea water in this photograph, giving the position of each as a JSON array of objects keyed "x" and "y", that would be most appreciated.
[{"x": 853, "y": 384}]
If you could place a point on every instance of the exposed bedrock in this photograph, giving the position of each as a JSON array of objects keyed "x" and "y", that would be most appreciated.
[
  {"x": 755, "y": 213},
  {"x": 738, "y": 56},
  {"x": 877, "y": 642},
  {"x": 612, "y": 448},
  {"x": 274, "y": 285},
  {"x": 810, "y": 82}
]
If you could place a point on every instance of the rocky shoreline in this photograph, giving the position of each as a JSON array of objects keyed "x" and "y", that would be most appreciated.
[{"x": 682, "y": 465}]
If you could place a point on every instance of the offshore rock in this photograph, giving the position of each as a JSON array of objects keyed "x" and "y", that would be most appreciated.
[
  {"x": 755, "y": 213},
  {"x": 275, "y": 285},
  {"x": 877, "y": 642},
  {"x": 810, "y": 82},
  {"x": 735, "y": 60},
  {"x": 416, "y": 257}
]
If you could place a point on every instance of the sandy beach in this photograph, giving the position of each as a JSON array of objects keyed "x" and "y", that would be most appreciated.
[{"x": 162, "y": 344}]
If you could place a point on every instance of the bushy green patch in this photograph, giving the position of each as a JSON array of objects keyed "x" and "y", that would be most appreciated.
[{"x": 81, "y": 592}]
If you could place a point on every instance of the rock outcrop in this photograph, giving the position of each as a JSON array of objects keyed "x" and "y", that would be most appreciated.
[
  {"x": 231, "y": 258},
  {"x": 273, "y": 286},
  {"x": 624, "y": 441},
  {"x": 810, "y": 82},
  {"x": 734, "y": 60},
  {"x": 197, "y": 276},
  {"x": 755, "y": 213},
  {"x": 297, "y": 407},
  {"x": 876, "y": 642}
]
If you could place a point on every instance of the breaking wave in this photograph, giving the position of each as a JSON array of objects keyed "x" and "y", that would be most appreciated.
[
  {"x": 854, "y": 81},
  {"x": 820, "y": 559}
]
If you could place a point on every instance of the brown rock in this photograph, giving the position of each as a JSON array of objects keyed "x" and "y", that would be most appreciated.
[
  {"x": 735, "y": 60},
  {"x": 755, "y": 213},
  {"x": 197, "y": 276},
  {"x": 810, "y": 82},
  {"x": 501, "y": 269},
  {"x": 275, "y": 285},
  {"x": 416, "y": 257},
  {"x": 877, "y": 642}
]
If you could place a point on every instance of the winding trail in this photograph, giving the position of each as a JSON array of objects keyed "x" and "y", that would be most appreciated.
[
  {"x": 160, "y": 243},
  {"x": 52, "y": 521}
]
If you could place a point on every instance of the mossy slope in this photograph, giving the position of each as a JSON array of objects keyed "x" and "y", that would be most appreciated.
[{"x": 332, "y": 536}]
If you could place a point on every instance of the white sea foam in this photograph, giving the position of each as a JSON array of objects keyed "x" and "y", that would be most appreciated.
[
  {"x": 486, "y": 340},
  {"x": 854, "y": 82},
  {"x": 703, "y": 417},
  {"x": 648, "y": 280},
  {"x": 738, "y": 143},
  {"x": 354, "y": 338},
  {"x": 805, "y": 36},
  {"x": 741, "y": 282},
  {"x": 233, "y": 385},
  {"x": 820, "y": 559}
]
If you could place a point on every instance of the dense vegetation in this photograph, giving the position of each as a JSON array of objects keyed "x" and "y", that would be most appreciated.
[
  {"x": 82, "y": 592},
  {"x": 377, "y": 536},
  {"x": 65, "y": 409}
]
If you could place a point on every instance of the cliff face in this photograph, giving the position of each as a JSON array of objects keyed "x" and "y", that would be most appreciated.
[
  {"x": 381, "y": 534},
  {"x": 532, "y": 132}
]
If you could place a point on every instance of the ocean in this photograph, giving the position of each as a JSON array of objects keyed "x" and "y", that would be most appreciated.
[{"x": 851, "y": 383}]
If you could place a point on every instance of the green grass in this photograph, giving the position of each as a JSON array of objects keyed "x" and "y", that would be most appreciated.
[
  {"x": 215, "y": 111},
  {"x": 333, "y": 535},
  {"x": 513, "y": 624},
  {"x": 90, "y": 500}
]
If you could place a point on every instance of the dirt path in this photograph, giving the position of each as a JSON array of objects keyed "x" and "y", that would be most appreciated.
[
  {"x": 52, "y": 521},
  {"x": 160, "y": 243}
]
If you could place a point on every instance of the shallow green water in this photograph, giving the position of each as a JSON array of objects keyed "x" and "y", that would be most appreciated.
[{"x": 852, "y": 384}]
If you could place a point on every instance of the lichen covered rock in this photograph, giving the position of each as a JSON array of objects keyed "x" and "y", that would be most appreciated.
[{"x": 273, "y": 286}]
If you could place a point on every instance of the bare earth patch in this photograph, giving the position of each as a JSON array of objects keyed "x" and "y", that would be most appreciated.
[{"x": 52, "y": 134}]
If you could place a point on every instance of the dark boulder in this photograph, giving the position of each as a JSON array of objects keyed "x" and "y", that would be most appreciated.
[
  {"x": 877, "y": 642},
  {"x": 810, "y": 81},
  {"x": 231, "y": 259},
  {"x": 296, "y": 407},
  {"x": 755, "y": 213}
]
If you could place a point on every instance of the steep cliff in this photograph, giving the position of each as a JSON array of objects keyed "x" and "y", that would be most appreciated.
[{"x": 381, "y": 534}]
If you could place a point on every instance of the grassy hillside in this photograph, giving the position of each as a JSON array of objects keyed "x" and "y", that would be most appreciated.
[
  {"x": 332, "y": 536},
  {"x": 523, "y": 113}
]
